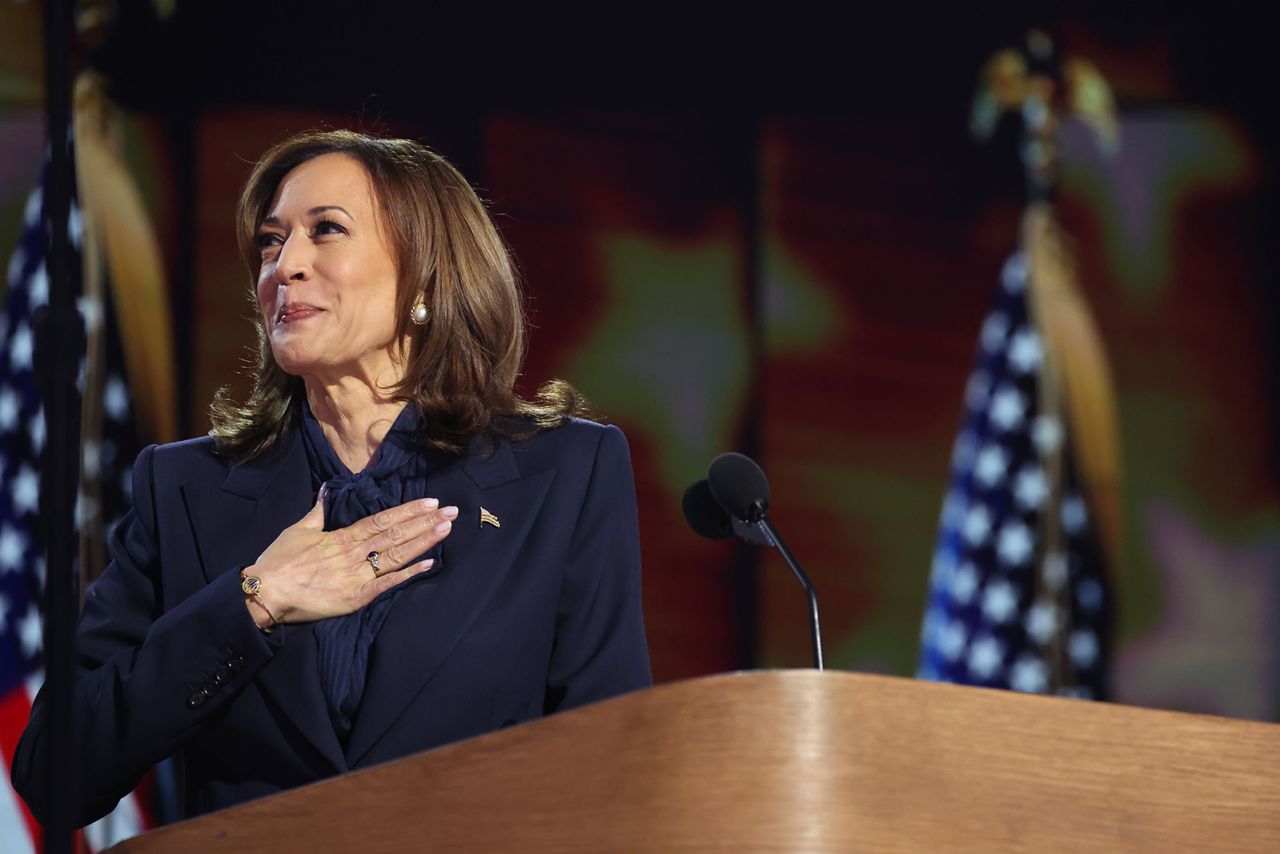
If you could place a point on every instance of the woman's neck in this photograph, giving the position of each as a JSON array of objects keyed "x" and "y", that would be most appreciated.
[{"x": 355, "y": 418}]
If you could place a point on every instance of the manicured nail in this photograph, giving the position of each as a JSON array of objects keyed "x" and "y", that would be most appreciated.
[
  {"x": 444, "y": 527},
  {"x": 424, "y": 565},
  {"x": 430, "y": 503},
  {"x": 449, "y": 512}
]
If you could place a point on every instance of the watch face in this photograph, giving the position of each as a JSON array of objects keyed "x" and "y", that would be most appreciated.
[{"x": 251, "y": 584}]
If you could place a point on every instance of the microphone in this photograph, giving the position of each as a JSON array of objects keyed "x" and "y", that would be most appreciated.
[
  {"x": 708, "y": 519},
  {"x": 741, "y": 490}
]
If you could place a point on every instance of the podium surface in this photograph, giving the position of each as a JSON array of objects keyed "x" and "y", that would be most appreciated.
[{"x": 794, "y": 761}]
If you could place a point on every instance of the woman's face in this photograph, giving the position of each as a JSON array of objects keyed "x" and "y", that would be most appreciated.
[{"x": 327, "y": 286}]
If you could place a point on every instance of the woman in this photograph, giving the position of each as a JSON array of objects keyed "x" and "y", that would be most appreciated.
[{"x": 385, "y": 549}]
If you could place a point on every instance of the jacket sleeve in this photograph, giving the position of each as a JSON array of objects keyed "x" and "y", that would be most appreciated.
[
  {"x": 144, "y": 682},
  {"x": 600, "y": 649}
]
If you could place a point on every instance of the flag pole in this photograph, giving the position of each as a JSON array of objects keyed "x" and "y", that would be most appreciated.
[{"x": 59, "y": 340}]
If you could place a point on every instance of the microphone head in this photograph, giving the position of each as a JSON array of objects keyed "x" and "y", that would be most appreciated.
[
  {"x": 704, "y": 514},
  {"x": 739, "y": 486}
]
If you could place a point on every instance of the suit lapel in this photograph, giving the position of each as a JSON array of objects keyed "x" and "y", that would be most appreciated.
[
  {"x": 428, "y": 619},
  {"x": 233, "y": 524}
]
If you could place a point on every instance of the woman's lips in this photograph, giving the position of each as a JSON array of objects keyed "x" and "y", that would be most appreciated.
[{"x": 297, "y": 312}]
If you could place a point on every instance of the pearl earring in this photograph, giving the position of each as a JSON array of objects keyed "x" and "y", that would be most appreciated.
[{"x": 419, "y": 313}]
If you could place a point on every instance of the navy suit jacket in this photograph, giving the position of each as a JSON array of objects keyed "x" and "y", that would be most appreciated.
[{"x": 513, "y": 622}]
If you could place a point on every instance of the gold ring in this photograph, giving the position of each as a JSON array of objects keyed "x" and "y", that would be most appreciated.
[{"x": 372, "y": 557}]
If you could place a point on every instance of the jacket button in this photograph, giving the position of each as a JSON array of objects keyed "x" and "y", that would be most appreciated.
[
  {"x": 197, "y": 698},
  {"x": 237, "y": 662},
  {"x": 223, "y": 674}
]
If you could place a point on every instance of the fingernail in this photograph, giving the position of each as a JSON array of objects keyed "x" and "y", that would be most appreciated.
[
  {"x": 324, "y": 487},
  {"x": 449, "y": 512},
  {"x": 430, "y": 503},
  {"x": 423, "y": 566},
  {"x": 444, "y": 526}
]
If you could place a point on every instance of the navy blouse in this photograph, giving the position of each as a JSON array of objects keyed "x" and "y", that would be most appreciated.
[{"x": 396, "y": 474}]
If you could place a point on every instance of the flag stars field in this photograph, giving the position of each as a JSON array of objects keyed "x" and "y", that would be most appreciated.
[
  {"x": 1084, "y": 648},
  {"x": 977, "y": 525},
  {"x": 1029, "y": 675},
  {"x": 999, "y": 601},
  {"x": 1016, "y": 544},
  {"x": 964, "y": 583},
  {"x": 953, "y": 640},
  {"x": 24, "y": 490},
  {"x": 1046, "y": 433},
  {"x": 1007, "y": 408},
  {"x": 21, "y": 347},
  {"x": 10, "y": 409},
  {"x": 31, "y": 631},
  {"x": 115, "y": 399},
  {"x": 985, "y": 657},
  {"x": 994, "y": 330},
  {"x": 1031, "y": 488},
  {"x": 977, "y": 390},
  {"x": 1042, "y": 622},
  {"x": 991, "y": 465},
  {"x": 1024, "y": 351},
  {"x": 13, "y": 545},
  {"x": 998, "y": 598}
]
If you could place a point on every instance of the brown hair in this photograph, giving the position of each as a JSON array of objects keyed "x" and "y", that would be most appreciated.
[{"x": 462, "y": 365}]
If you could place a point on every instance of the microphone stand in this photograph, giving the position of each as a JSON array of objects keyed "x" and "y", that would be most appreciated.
[{"x": 773, "y": 538}]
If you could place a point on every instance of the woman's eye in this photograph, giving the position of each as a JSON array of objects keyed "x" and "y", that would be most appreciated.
[
  {"x": 328, "y": 226},
  {"x": 266, "y": 238}
]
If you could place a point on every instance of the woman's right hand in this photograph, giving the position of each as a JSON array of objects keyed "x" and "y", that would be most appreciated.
[{"x": 309, "y": 574}]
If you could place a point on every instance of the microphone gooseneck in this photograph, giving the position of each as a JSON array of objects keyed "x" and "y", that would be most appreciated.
[{"x": 741, "y": 490}]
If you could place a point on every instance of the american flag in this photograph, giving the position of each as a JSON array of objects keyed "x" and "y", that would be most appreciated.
[
  {"x": 22, "y": 565},
  {"x": 1017, "y": 595}
]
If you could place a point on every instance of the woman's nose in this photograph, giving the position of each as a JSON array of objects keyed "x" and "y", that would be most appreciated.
[{"x": 294, "y": 261}]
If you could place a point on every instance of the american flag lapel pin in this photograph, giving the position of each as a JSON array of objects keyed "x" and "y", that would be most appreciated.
[{"x": 487, "y": 518}]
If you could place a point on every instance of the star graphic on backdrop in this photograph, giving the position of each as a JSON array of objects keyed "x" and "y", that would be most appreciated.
[
  {"x": 669, "y": 353},
  {"x": 1167, "y": 156},
  {"x": 1216, "y": 647}
]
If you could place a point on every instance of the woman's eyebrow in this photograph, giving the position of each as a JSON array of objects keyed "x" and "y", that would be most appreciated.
[
  {"x": 322, "y": 208},
  {"x": 316, "y": 211}
]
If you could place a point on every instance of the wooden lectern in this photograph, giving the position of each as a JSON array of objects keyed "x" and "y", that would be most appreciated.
[{"x": 794, "y": 761}]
